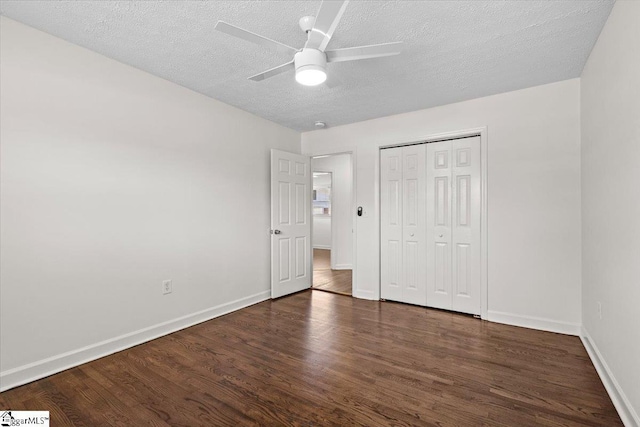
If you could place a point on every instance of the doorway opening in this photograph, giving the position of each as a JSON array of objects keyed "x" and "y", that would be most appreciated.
[{"x": 332, "y": 223}]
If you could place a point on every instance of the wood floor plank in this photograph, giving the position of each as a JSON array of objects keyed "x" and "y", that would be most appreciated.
[{"x": 320, "y": 359}]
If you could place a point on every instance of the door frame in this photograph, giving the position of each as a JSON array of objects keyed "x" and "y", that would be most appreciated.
[
  {"x": 353, "y": 214},
  {"x": 484, "y": 223}
]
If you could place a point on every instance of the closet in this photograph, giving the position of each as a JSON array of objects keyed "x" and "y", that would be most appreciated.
[{"x": 430, "y": 201}]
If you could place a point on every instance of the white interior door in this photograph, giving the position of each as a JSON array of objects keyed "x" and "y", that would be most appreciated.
[
  {"x": 465, "y": 239},
  {"x": 391, "y": 280},
  {"x": 430, "y": 217},
  {"x": 439, "y": 225},
  {"x": 414, "y": 225},
  {"x": 290, "y": 223},
  {"x": 453, "y": 230},
  {"x": 403, "y": 224}
]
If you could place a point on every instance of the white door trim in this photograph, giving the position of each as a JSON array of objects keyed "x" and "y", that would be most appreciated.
[{"x": 484, "y": 223}]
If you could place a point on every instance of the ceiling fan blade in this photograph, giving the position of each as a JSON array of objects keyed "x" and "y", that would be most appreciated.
[
  {"x": 273, "y": 72},
  {"x": 364, "y": 52},
  {"x": 326, "y": 22},
  {"x": 232, "y": 30}
]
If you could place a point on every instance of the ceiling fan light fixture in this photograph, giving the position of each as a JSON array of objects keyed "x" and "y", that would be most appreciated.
[
  {"x": 311, "y": 75},
  {"x": 310, "y": 67},
  {"x": 310, "y": 62}
]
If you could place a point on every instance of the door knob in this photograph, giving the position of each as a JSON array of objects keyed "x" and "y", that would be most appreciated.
[
  {"x": 412, "y": 234},
  {"x": 277, "y": 232},
  {"x": 440, "y": 235}
]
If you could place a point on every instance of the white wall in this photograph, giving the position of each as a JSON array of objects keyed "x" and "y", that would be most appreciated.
[
  {"x": 610, "y": 100},
  {"x": 533, "y": 202},
  {"x": 341, "y": 206},
  {"x": 113, "y": 180},
  {"x": 322, "y": 231}
]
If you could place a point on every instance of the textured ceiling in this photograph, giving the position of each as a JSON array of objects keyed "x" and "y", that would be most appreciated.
[{"x": 454, "y": 50}]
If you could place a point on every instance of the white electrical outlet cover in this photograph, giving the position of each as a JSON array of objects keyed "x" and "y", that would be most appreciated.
[{"x": 167, "y": 287}]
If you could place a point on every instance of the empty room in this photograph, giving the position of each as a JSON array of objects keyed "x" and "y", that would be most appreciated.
[{"x": 320, "y": 213}]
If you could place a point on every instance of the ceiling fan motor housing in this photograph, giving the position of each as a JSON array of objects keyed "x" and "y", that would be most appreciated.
[{"x": 310, "y": 59}]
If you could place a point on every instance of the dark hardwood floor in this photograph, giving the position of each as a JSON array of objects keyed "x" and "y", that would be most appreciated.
[
  {"x": 318, "y": 359},
  {"x": 326, "y": 279}
]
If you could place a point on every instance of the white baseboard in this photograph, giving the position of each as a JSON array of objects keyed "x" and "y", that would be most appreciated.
[
  {"x": 534, "y": 323},
  {"x": 43, "y": 368},
  {"x": 322, "y": 247},
  {"x": 626, "y": 411},
  {"x": 343, "y": 267}
]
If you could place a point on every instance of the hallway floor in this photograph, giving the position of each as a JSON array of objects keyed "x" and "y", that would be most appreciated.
[{"x": 326, "y": 279}]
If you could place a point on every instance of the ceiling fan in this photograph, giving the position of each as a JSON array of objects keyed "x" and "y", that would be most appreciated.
[{"x": 310, "y": 62}]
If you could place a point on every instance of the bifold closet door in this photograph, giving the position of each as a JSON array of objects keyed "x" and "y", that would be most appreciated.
[
  {"x": 391, "y": 224},
  {"x": 453, "y": 225},
  {"x": 403, "y": 224},
  {"x": 439, "y": 225}
]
